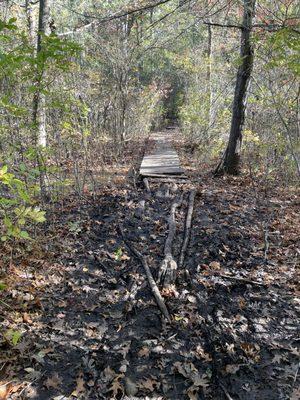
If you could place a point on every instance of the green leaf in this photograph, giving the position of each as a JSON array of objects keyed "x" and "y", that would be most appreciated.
[
  {"x": 2, "y": 286},
  {"x": 24, "y": 235},
  {"x": 15, "y": 338}
]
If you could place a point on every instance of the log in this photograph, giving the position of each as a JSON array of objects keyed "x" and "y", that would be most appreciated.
[
  {"x": 168, "y": 267},
  {"x": 153, "y": 286},
  {"x": 187, "y": 230}
]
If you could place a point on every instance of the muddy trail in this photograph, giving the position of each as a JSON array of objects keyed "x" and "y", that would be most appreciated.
[{"x": 92, "y": 328}]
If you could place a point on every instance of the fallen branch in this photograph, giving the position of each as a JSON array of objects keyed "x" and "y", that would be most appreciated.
[
  {"x": 153, "y": 286},
  {"x": 188, "y": 224},
  {"x": 228, "y": 397},
  {"x": 168, "y": 267},
  {"x": 245, "y": 280},
  {"x": 146, "y": 184},
  {"x": 267, "y": 244}
]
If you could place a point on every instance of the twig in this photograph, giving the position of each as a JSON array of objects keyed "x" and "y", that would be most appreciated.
[
  {"x": 188, "y": 224},
  {"x": 146, "y": 184},
  {"x": 156, "y": 293},
  {"x": 225, "y": 392},
  {"x": 267, "y": 244},
  {"x": 235, "y": 278},
  {"x": 5, "y": 304},
  {"x": 296, "y": 374}
]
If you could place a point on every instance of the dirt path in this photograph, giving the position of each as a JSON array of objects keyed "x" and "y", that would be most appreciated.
[{"x": 96, "y": 332}]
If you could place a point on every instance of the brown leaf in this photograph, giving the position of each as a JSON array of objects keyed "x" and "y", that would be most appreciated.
[
  {"x": 231, "y": 368},
  {"x": 144, "y": 352},
  {"x": 148, "y": 384},
  {"x": 54, "y": 382},
  {"x": 79, "y": 386},
  {"x": 116, "y": 386},
  {"x": 27, "y": 319},
  {"x": 4, "y": 391},
  {"x": 296, "y": 394},
  {"x": 215, "y": 265}
]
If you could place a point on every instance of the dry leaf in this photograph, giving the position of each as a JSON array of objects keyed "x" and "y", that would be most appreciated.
[
  {"x": 144, "y": 352},
  {"x": 116, "y": 386},
  {"x": 201, "y": 353},
  {"x": 79, "y": 386},
  {"x": 231, "y": 368},
  {"x": 27, "y": 319},
  {"x": 4, "y": 390},
  {"x": 296, "y": 394},
  {"x": 53, "y": 382},
  {"x": 215, "y": 265},
  {"x": 148, "y": 384}
]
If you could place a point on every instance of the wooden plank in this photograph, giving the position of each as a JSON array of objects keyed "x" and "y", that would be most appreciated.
[{"x": 162, "y": 159}]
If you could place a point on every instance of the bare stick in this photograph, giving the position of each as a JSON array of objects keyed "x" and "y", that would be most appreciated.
[
  {"x": 267, "y": 244},
  {"x": 226, "y": 392},
  {"x": 168, "y": 268},
  {"x": 188, "y": 225},
  {"x": 245, "y": 280},
  {"x": 155, "y": 291},
  {"x": 146, "y": 184}
]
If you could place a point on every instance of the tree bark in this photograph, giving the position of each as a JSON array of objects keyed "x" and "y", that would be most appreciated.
[
  {"x": 29, "y": 17},
  {"x": 231, "y": 160},
  {"x": 39, "y": 103},
  {"x": 209, "y": 73}
]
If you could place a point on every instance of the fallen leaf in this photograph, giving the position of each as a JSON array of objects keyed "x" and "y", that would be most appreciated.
[
  {"x": 144, "y": 352},
  {"x": 231, "y": 368},
  {"x": 117, "y": 386},
  {"x": 27, "y": 319},
  {"x": 295, "y": 394},
  {"x": 4, "y": 390},
  {"x": 148, "y": 384},
  {"x": 54, "y": 382},
  {"x": 215, "y": 265},
  {"x": 79, "y": 386}
]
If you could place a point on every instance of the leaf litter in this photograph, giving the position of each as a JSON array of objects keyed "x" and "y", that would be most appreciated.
[{"x": 91, "y": 328}]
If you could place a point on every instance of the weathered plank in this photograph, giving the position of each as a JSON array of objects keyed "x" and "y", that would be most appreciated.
[{"x": 162, "y": 159}]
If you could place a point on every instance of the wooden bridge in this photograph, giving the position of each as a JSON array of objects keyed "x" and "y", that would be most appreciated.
[{"x": 162, "y": 160}]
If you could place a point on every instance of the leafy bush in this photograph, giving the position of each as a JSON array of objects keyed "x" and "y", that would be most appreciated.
[{"x": 16, "y": 207}]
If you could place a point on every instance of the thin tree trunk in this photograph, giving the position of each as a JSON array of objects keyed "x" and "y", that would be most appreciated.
[
  {"x": 231, "y": 159},
  {"x": 39, "y": 104},
  {"x": 30, "y": 23},
  {"x": 39, "y": 100},
  {"x": 209, "y": 73}
]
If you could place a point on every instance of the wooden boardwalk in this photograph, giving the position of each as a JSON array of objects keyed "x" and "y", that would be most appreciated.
[{"x": 162, "y": 160}]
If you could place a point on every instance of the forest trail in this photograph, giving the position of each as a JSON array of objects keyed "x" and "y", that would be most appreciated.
[
  {"x": 161, "y": 159},
  {"x": 162, "y": 291}
]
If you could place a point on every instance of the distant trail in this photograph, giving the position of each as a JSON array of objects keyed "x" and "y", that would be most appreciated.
[{"x": 162, "y": 160}]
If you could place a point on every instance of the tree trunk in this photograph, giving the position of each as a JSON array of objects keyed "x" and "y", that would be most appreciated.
[
  {"x": 39, "y": 103},
  {"x": 30, "y": 23},
  {"x": 231, "y": 159},
  {"x": 39, "y": 100},
  {"x": 209, "y": 73}
]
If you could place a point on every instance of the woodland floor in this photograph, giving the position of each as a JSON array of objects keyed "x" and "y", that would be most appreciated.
[{"x": 230, "y": 338}]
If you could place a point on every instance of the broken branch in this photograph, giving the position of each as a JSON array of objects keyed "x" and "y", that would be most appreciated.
[{"x": 153, "y": 286}]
